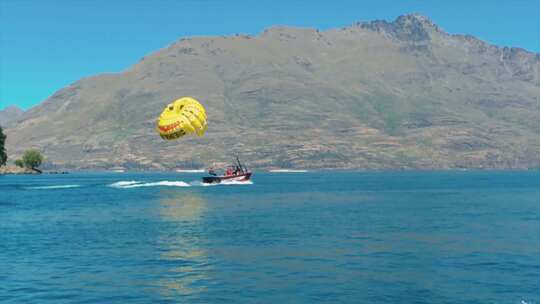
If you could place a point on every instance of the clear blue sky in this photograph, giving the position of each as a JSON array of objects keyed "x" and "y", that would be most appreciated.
[{"x": 46, "y": 45}]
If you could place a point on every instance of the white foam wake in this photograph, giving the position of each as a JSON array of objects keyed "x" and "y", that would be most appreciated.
[
  {"x": 137, "y": 184},
  {"x": 53, "y": 187},
  {"x": 123, "y": 184},
  {"x": 225, "y": 182},
  {"x": 287, "y": 171}
]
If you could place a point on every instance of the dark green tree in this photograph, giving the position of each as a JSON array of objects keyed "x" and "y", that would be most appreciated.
[
  {"x": 3, "y": 155},
  {"x": 19, "y": 163},
  {"x": 32, "y": 159}
]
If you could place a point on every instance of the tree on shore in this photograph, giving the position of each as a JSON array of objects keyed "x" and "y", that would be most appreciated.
[
  {"x": 32, "y": 159},
  {"x": 3, "y": 155},
  {"x": 19, "y": 163}
]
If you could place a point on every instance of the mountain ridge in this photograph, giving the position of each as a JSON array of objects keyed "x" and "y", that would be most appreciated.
[
  {"x": 374, "y": 95},
  {"x": 9, "y": 115}
]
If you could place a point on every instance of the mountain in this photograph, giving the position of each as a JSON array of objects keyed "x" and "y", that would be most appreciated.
[
  {"x": 374, "y": 95},
  {"x": 9, "y": 115}
]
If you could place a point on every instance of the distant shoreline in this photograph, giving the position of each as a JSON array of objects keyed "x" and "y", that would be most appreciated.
[{"x": 14, "y": 170}]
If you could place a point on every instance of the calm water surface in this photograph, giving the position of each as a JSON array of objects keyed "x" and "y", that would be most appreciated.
[{"x": 331, "y": 237}]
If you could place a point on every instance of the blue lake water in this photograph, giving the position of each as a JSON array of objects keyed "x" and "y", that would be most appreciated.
[{"x": 316, "y": 237}]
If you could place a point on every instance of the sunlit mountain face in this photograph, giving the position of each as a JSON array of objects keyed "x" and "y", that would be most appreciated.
[{"x": 374, "y": 95}]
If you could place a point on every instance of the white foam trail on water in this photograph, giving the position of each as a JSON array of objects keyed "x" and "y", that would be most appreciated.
[
  {"x": 122, "y": 184},
  {"x": 53, "y": 187},
  {"x": 288, "y": 171},
  {"x": 137, "y": 184},
  {"x": 162, "y": 183},
  {"x": 225, "y": 182}
]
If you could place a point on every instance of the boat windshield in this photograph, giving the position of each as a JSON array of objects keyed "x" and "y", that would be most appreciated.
[{"x": 232, "y": 170}]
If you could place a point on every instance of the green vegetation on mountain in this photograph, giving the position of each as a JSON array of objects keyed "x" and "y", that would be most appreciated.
[
  {"x": 374, "y": 95},
  {"x": 32, "y": 159},
  {"x": 19, "y": 163}
]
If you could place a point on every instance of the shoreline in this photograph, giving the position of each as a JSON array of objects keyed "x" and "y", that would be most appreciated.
[
  {"x": 14, "y": 170},
  {"x": 10, "y": 169}
]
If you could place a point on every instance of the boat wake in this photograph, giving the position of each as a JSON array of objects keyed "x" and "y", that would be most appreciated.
[
  {"x": 139, "y": 184},
  {"x": 226, "y": 182},
  {"x": 52, "y": 187},
  {"x": 190, "y": 170}
]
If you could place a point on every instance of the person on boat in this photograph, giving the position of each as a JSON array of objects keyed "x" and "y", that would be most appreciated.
[{"x": 229, "y": 171}]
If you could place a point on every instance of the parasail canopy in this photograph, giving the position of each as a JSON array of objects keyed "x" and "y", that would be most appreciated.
[{"x": 181, "y": 117}]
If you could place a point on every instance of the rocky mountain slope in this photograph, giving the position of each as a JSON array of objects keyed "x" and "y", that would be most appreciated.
[
  {"x": 10, "y": 115},
  {"x": 374, "y": 95}
]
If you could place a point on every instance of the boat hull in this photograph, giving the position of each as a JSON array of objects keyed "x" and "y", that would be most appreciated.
[{"x": 218, "y": 179}]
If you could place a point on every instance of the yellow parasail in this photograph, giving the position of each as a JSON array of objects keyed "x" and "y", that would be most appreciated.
[{"x": 181, "y": 117}]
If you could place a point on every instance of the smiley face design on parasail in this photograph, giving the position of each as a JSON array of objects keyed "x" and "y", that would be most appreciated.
[{"x": 182, "y": 117}]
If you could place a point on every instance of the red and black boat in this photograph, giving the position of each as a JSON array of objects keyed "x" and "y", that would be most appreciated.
[{"x": 234, "y": 173}]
